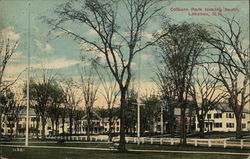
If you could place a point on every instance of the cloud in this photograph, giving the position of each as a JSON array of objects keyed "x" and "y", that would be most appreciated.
[
  {"x": 43, "y": 47},
  {"x": 92, "y": 32},
  {"x": 56, "y": 63},
  {"x": 148, "y": 36},
  {"x": 17, "y": 56},
  {"x": 13, "y": 69},
  {"x": 47, "y": 48},
  {"x": 9, "y": 33},
  {"x": 146, "y": 57}
]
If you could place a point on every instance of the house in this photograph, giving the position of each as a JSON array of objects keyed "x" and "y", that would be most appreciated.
[
  {"x": 19, "y": 127},
  {"x": 95, "y": 126},
  {"x": 115, "y": 125},
  {"x": 222, "y": 119}
]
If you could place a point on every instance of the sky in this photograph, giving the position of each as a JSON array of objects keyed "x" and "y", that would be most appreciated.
[{"x": 62, "y": 54}]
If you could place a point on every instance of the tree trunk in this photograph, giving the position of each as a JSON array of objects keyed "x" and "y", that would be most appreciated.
[
  {"x": 201, "y": 126},
  {"x": 0, "y": 122},
  {"x": 183, "y": 127},
  {"x": 57, "y": 125},
  {"x": 70, "y": 126},
  {"x": 110, "y": 130},
  {"x": 172, "y": 122},
  {"x": 53, "y": 126},
  {"x": 88, "y": 124},
  {"x": 190, "y": 121},
  {"x": 238, "y": 126},
  {"x": 43, "y": 127},
  {"x": 122, "y": 147},
  {"x": 63, "y": 124},
  {"x": 37, "y": 126},
  {"x": 17, "y": 127}
]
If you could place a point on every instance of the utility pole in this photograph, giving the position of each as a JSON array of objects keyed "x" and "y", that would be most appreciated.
[
  {"x": 138, "y": 103},
  {"x": 28, "y": 78},
  {"x": 162, "y": 129}
]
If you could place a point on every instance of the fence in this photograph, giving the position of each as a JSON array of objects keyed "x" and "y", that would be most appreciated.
[{"x": 226, "y": 142}]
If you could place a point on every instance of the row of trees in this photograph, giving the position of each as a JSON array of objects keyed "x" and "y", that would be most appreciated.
[
  {"x": 189, "y": 54},
  {"x": 205, "y": 67},
  {"x": 182, "y": 53}
]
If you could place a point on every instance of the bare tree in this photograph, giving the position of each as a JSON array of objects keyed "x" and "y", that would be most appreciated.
[
  {"x": 71, "y": 102},
  {"x": 7, "y": 48},
  {"x": 181, "y": 49},
  {"x": 110, "y": 93},
  {"x": 41, "y": 95},
  {"x": 116, "y": 40},
  {"x": 89, "y": 91},
  {"x": 57, "y": 98},
  {"x": 168, "y": 95},
  {"x": 206, "y": 93},
  {"x": 233, "y": 64}
]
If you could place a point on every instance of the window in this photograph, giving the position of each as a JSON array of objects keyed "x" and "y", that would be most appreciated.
[
  {"x": 218, "y": 125},
  {"x": 230, "y": 125},
  {"x": 230, "y": 115},
  {"x": 117, "y": 129},
  {"x": 117, "y": 123},
  {"x": 10, "y": 131},
  {"x": 33, "y": 119},
  {"x": 10, "y": 125},
  {"x": 217, "y": 115},
  {"x": 243, "y": 115},
  {"x": 209, "y": 116},
  {"x": 243, "y": 126},
  {"x": 49, "y": 128}
]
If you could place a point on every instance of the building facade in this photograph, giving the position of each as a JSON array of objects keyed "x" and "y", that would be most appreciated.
[{"x": 222, "y": 119}]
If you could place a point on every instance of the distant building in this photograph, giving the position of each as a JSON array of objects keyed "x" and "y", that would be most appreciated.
[
  {"x": 115, "y": 125},
  {"x": 95, "y": 127},
  {"x": 223, "y": 119}
]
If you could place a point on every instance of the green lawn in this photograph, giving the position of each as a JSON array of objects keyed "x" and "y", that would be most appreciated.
[
  {"x": 34, "y": 153},
  {"x": 142, "y": 146}
]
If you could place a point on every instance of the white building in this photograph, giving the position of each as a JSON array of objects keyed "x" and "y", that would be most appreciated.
[
  {"x": 115, "y": 125},
  {"x": 223, "y": 119}
]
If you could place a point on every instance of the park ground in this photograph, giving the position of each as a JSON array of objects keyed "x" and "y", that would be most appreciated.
[
  {"x": 51, "y": 149},
  {"x": 87, "y": 150}
]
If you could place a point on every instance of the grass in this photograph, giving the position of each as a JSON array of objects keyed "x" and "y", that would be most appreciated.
[
  {"x": 34, "y": 153},
  {"x": 141, "y": 147}
]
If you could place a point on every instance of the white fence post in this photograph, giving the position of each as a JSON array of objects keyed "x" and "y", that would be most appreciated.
[
  {"x": 138, "y": 140},
  {"x": 241, "y": 144},
  {"x": 151, "y": 141},
  {"x": 225, "y": 143},
  {"x": 96, "y": 139},
  {"x": 161, "y": 141},
  {"x": 195, "y": 143},
  {"x": 209, "y": 143},
  {"x": 172, "y": 141},
  {"x": 142, "y": 140},
  {"x": 134, "y": 140}
]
